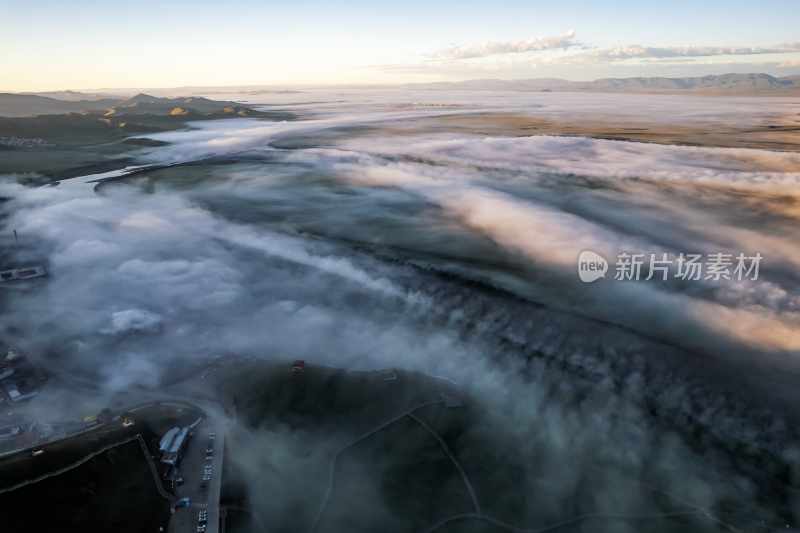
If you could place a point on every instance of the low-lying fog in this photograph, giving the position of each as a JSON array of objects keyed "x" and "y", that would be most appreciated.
[{"x": 341, "y": 240}]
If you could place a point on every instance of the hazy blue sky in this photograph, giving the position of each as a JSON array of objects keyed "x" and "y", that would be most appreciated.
[{"x": 82, "y": 44}]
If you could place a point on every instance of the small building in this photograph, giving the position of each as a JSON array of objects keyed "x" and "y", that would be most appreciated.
[
  {"x": 21, "y": 274},
  {"x": 173, "y": 443},
  {"x": 173, "y": 454},
  {"x": 8, "y": 355},
  {"x": 166, "y": 441},
  {"x": 14, "y": 394},
  {"x": 9, "y": 360}
]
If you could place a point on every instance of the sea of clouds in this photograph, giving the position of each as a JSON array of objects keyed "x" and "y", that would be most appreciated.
[{"x": 363, "y": 251}]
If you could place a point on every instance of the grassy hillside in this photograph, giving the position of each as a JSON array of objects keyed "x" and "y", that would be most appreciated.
[
  {"x": 26, "y": 105},
  {"x": 112, "y": 491},
  {"x": 400, "y": 477},
  {"x": 49, "y": 147}
]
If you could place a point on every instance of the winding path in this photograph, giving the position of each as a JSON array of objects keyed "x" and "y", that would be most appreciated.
[
  {"x": 557, "y": 525},
  {"x": 368, "y": 434},
  {"x": 446, "y": 450}
]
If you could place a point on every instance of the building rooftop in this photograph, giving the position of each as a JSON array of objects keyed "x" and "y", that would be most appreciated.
[
  {"x": 18, "y": 274},
  {"x": 166, "y": 441}
]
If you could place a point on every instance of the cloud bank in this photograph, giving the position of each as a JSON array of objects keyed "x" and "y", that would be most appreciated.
[
  {"x": 513, "y": 58},
  {"x": 536, "y": 44},
  {"x": 623, "y": 53},
  {"x": 450, "y": 253}
]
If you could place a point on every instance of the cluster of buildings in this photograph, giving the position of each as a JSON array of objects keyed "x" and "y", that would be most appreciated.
[{"x": 19, "y": 379}]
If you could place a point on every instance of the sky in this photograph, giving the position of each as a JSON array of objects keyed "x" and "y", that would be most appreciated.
[{"x": 53, "y": 45}]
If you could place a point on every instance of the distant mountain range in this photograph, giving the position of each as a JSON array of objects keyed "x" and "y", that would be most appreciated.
[
  {"x": 60, "y": 102},
  {"x": 74, "y": 96},
  {"x": 27, "y": 105},
  {"x": 739, "y": 84}
]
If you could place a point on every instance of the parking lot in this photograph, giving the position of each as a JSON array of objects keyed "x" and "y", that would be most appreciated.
[{"x": 201, "y": 473}]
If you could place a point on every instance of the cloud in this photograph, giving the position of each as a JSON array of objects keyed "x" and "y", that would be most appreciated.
[
  {"x": 565, "y": 50},
  {"x": 540, "y": 230},
  {"x": 133, "y": 321},
  {"x": 258, "y": 262},
  {"x": 491, "y": 48},
  {"x": 636, "y": 51}
]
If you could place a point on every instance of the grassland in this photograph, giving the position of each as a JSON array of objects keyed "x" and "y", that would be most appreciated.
[
  {"x": 370, "y": 451},
  {"x": 113, "y": 491}
]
